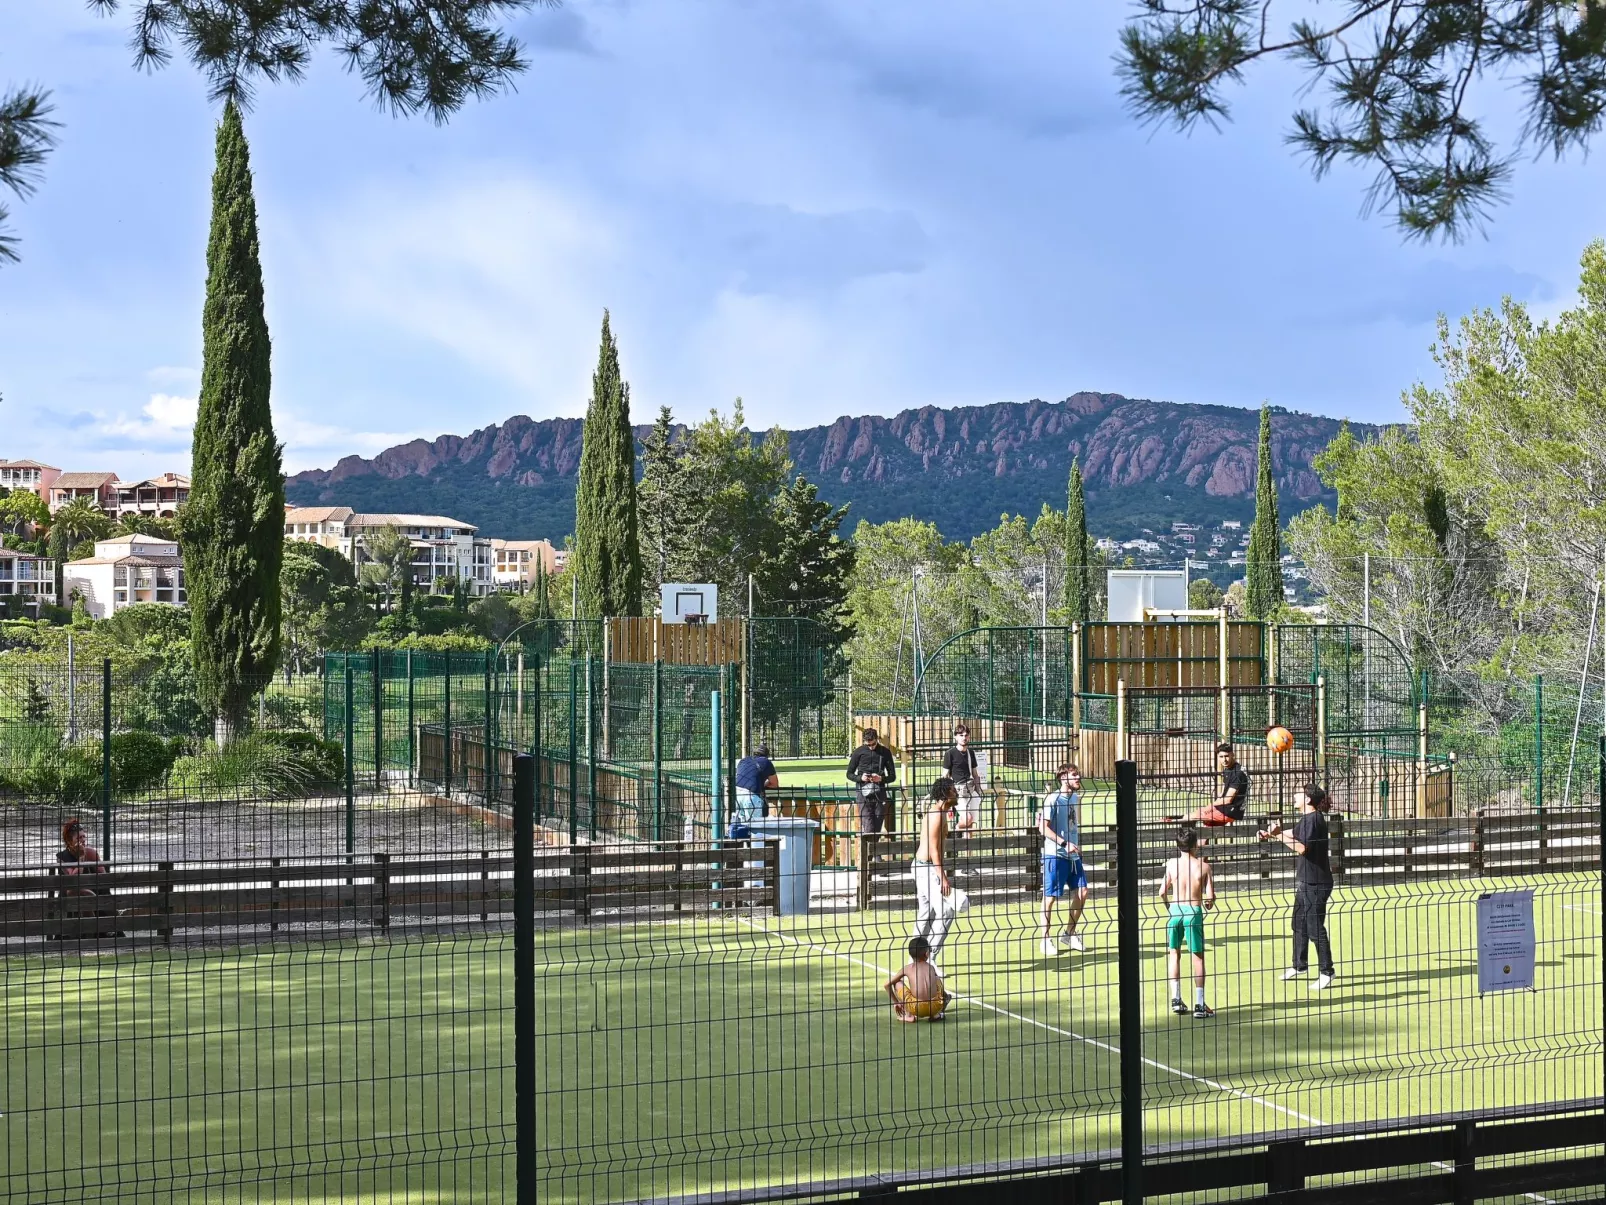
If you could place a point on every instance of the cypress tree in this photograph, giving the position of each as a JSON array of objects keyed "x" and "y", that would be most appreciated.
[
  {"x": 59, "y": 552},
  {"x": 1263, "y": 587},
  {"x": 607, "y": 554},
  {"x": 1078, "y": 573},
  {"x": 232, "y": 529}
]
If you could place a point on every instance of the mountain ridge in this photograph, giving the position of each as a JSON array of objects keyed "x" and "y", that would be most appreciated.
[{"x": 1145, "y": 463}]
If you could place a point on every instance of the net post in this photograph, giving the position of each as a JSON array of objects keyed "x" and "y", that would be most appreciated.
[
  {"x": 574, "y": 752},
  {"x": 657, "y": 749},
  {"x": 1129, "y": 977},
  {"x": 525, "y": 1053},
  {"x": 1121, "y": 742},
  {"x": 716, "y": 786},
  {"x": 379, "y": 717},
  {"x": 351, "y": 783},
  {"x": 106, "y": 758}
]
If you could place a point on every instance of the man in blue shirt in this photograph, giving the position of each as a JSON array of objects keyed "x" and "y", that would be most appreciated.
[
  {"x": 755, "y": 774},
  {"x": 1060, "y": 823}
]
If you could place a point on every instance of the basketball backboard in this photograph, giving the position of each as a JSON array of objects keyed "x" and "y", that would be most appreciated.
[{"x": 689, "y": 602}]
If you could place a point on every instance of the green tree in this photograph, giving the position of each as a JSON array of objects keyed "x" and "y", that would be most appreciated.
[
  {"x": 889, "y": 558},
  {"x": 233, "y": 527},
  {"x": 1078, "y": 547},
  {"x": 60, "y": 550},
  {"x": 663, "y": 501},
  {"x": 606, "y": 546},
  {"x": 1405, "y": 83},
  {"x": 1204, "y": 595},
  {"x": 323, "y": 607},
  {"x": 391, "y": 553},
  {"x": 149, "y": 525},
  {"x": 1263, "y": 592},
  {"x": 728, "y": 525},
  {"x": 21, "y": 510},
  {"x": 81, "y": 520},
  {"x": 809, "y": 566}
]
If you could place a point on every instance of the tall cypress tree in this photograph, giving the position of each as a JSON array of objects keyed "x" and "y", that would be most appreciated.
[
  {"x": 607, "y": 553},
  {"x": 1263, "y": 587},
  {"x": 232, "y": 529},
  {"x": 1078, "y": 574}
]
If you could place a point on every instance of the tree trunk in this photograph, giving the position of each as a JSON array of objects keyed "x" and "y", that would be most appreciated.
[{"x": 224, "y": 730}]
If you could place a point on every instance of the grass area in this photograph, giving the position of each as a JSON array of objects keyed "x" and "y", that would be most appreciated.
[{"x": 707, "y": 1054}]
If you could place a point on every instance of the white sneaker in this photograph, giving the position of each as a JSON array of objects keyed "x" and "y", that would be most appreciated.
[
  {"x": 1050, "y": 950},
  {"x": 1292, "y": 973},
  {"x": 1072, "y": 941},
  {"x": 1323, "y": 982}
]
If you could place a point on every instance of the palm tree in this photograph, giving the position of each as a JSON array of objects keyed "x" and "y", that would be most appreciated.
[{"x": 81, "y": 520}]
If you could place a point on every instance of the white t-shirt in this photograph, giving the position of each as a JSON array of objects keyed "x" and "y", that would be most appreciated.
[{"x": 1063, "y": 812}]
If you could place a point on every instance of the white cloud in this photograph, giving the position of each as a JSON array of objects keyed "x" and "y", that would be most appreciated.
[{"x": 164, "y": 423}]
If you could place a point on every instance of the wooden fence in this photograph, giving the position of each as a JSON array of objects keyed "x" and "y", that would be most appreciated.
[
  {"x": 335, "y": 897},
  {"x": 649, "y": 639},
  {"x": 1363, "y": 851}
]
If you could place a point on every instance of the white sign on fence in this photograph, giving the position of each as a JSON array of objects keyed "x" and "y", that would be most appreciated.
[{"x": 1506, "y": 941}]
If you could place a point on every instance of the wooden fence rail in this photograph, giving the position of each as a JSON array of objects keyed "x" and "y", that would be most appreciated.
[
  {"x": 1007, "y": 862},
  {"x": 377, "y": 892}
]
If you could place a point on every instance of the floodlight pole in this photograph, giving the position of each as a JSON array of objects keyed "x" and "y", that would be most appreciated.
[{"x": 1129, "y": 960}]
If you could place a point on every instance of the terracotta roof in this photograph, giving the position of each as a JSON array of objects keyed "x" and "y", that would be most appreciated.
[
  {"x": 83, "y": 481},
  {"x": 156, "y": 562},
  {"x": 135, "y": 538},
  {"x": 24, "y": 464},
  {"x": 407, "y": 521},
  {"x": 316, "y": 514}
]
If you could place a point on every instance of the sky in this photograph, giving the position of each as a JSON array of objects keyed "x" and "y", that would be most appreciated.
[{"x": 824, "y": 207}]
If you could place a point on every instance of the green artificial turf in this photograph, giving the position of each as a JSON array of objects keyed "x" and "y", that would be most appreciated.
[{"x": 712, "y": 1053}]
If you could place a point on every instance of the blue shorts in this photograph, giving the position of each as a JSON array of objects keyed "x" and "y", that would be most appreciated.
[{"x": 1061, "y": 875}]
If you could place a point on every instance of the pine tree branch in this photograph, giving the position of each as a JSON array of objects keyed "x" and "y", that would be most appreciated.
[
  {"x": 27, "y": 136},
  {"x": 1399, "y": 82},
  {"x": 429, "y": 56}
]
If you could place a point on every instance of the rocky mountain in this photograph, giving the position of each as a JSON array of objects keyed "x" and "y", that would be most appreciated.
[{"x": 1145, "y": 463}]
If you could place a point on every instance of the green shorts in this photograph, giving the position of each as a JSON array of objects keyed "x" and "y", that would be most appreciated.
[{"x": 1187, "y": 923}]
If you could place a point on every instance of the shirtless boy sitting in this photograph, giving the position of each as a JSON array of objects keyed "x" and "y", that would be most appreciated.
[
  {"x": 1189, "y": 879},
  {"x": 917, "y": 991}
]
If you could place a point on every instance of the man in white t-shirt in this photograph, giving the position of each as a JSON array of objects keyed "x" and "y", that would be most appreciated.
[{"x": 1060, "y": 822}]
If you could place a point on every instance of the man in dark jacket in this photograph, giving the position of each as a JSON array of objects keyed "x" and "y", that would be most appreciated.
[{"x": 871, "y": 770}]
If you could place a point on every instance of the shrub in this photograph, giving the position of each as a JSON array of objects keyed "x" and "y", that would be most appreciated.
[
  {"x": 140, "y": 760},
  {"x": 326, "y": 760}
]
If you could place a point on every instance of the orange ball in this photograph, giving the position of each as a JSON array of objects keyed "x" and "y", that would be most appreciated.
[{"x": 1279, "y": 740}]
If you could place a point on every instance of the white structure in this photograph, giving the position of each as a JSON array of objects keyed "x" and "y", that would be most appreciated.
[
  {"x": 126, "y": 570},
  {"x": 515, "y": 562},
  {"x": 442, "y": 547},
  {"x": 689, "y": 602},
  {"x": 1130, "y": 592},
  {"x": 26, "y": 580}
]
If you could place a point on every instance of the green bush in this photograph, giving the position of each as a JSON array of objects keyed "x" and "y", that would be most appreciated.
[
  {"x": 325, "y": 759},
  {"x": 140, "y": 760},
  {"x": 273, "y": 764}
]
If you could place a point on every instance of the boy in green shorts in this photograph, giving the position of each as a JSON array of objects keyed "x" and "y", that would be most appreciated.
[{"x": 1189, "y": 880}]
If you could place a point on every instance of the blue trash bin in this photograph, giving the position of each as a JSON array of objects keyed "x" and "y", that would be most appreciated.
[{"x": 796, "y": 835}]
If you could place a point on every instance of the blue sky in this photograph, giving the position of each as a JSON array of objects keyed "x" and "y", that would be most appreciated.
[{"x": 824, "y": 206}]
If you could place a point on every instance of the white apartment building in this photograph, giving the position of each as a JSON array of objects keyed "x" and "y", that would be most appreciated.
[
  {"x": 26, "y": 580},
  {"x": 126, "y": 570},
  {"x": 516, "y": 561},
  {"x": 442, "y": 547}
]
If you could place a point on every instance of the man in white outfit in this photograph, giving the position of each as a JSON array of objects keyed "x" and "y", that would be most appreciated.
[{"x": 930, "y": 874}]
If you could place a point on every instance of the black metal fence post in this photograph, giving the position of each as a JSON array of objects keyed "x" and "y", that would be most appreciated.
[
  {"x": 106, "y": 759},
  {"x": 525, "y": 773},
  {"x": 1129, "y": 974},
  {"x": 446, "y": 707},
  {"x": 379, "y": 717}
]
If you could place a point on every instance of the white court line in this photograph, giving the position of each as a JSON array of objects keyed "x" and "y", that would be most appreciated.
[
  {"x": 1066, "y": 1033},
  {"x": 1105, "y": 1046},
  {"x": 1576, "y": 908}
]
